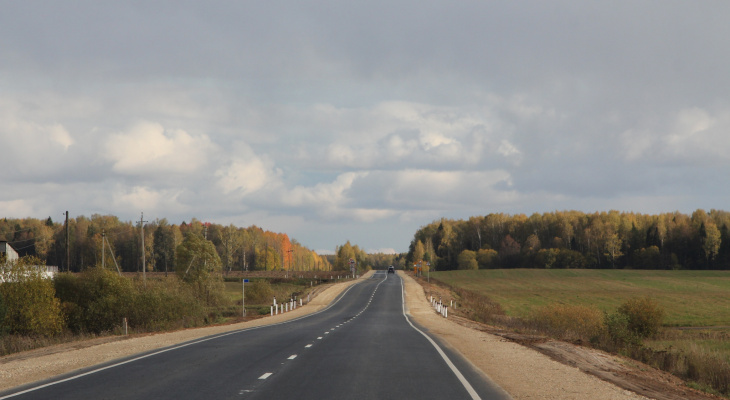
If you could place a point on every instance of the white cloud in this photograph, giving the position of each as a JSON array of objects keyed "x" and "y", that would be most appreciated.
[
  {"x": 367, "y": 214},
  {"x": 694, "y": 136},
  {"x": 147, "y": 199},
  {"x": 19, "y": 208},
  {"x": 390, "y": 134},
  {"x": 60, "y": 135},
  {"x": 637, "y": 143},
  {"x": 356, "y": 121},
  {"x": 25, "y": 133},
  {"x": 342, "y": 154},
  {"x": 697, "y": 135},
  {"x": 323, "y": 195},
  {"x": 32, "y": 148},
  {"x": 397, "y": 148},
  {"x": 507, "y": 149},
  {"x": 149, "y": 148},
  {"x": 246, "y": 172},
  {"x": 443, "y": 190},
  {"x": 691, "y": 122}
]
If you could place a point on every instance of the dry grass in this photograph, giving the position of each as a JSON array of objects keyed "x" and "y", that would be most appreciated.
[
  {"x": 568, "y": 322},
  {"x": 605, "y": 309}
]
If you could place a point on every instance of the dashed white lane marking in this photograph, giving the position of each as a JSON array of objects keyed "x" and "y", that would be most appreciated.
[
  {"x": 266, "y": 375},
  {"x": 291, "y": 357},
  {"x": 327, "y": 333},
  {"x": 319, "y": 338},
  {"x": 308, "y": 346}
]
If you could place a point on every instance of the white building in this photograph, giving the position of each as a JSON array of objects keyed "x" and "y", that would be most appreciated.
[
  {"x": 8, "y": 250},
  {"x": 46, "y": 271}
]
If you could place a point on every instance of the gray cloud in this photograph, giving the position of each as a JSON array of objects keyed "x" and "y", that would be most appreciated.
[{"x": 336, "y": 121}]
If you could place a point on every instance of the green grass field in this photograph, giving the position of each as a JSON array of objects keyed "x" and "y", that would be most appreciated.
[{"x": 690, "y": 298}]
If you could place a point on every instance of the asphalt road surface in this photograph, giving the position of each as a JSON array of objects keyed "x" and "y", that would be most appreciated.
[{"x": 361, "y": 347}]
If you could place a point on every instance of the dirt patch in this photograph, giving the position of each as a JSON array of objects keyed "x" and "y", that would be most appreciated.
[
  {"x": 531, "y": 367},
  {"x": 35, "y": 365}
]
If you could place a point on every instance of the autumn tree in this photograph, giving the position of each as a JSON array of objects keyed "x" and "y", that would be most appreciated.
[
  {"x": 487, "y": 258},
  {"x": 164, "y": 246},
  {"x": 468, "y": 260},
  {"x": 198, "y": 264},
  {"x": 710, "y": 237},
  {"x": 232, "y": 241}
]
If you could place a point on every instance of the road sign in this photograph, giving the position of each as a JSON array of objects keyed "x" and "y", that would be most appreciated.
[{"x": 245, "y": 281}]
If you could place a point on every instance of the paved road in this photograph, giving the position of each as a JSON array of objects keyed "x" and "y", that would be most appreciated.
[{"x": 361, "y": 347}]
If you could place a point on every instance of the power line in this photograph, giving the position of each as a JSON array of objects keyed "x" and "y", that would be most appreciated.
[
  {"x": 20, "y": 230},
  {"x": 24, "y": 247}
]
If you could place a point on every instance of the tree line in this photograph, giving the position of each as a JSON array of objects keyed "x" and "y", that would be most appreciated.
[
  {"x": 573, "y": 239},
  {"x": 104, "y": 239},
  {"x": 364, "y": 261}
]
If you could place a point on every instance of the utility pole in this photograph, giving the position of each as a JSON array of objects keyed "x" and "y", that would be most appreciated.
[
  {"x": 103, "y": 248},
  {"x": 68, "y": 251},
  {"x": 144, "y": 266}
]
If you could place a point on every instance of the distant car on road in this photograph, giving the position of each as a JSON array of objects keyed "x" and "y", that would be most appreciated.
[{"x": 391, "y": 270}]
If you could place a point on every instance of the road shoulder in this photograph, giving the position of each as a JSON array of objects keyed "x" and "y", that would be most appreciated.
[{"x": 522, "y": 372}]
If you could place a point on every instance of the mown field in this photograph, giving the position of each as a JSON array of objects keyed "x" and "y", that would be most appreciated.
[{"x": 690, "y": 298}]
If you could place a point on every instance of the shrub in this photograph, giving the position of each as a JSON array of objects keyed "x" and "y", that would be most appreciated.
[
  {"x": 644, "y": 316},
  {"x": 164, "y": 304},
  {"x": 618, "y": 334},
  {"x": 569, "y": 322},
  {"x": 487, "y": 258},
  {"x": 259, "y": 292},
  {"x": 98, "y": 299},
  {"x": 29, "y": 299},
  {"x": 570, "y": 259},
  {"x": 467, "y": 259},
  {"x": 3, "y": 312}
]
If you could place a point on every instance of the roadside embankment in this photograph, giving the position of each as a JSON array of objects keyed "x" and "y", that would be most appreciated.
[{"x": 522, "y": 372}]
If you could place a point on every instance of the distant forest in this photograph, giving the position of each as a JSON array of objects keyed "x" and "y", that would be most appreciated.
[
  {"x": 573, "y": 239},
  {"x": 239, "y": 249}
]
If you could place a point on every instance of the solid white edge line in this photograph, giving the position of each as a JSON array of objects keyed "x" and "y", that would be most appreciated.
[
  {"x": 474, "y": 395},
  {"x": 70, "y": 378}
]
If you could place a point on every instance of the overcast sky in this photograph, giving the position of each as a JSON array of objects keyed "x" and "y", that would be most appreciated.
[{"x": 335, "y": 121}]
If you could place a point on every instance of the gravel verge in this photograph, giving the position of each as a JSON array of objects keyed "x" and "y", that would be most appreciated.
[{"x": 522, "y": 372}]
